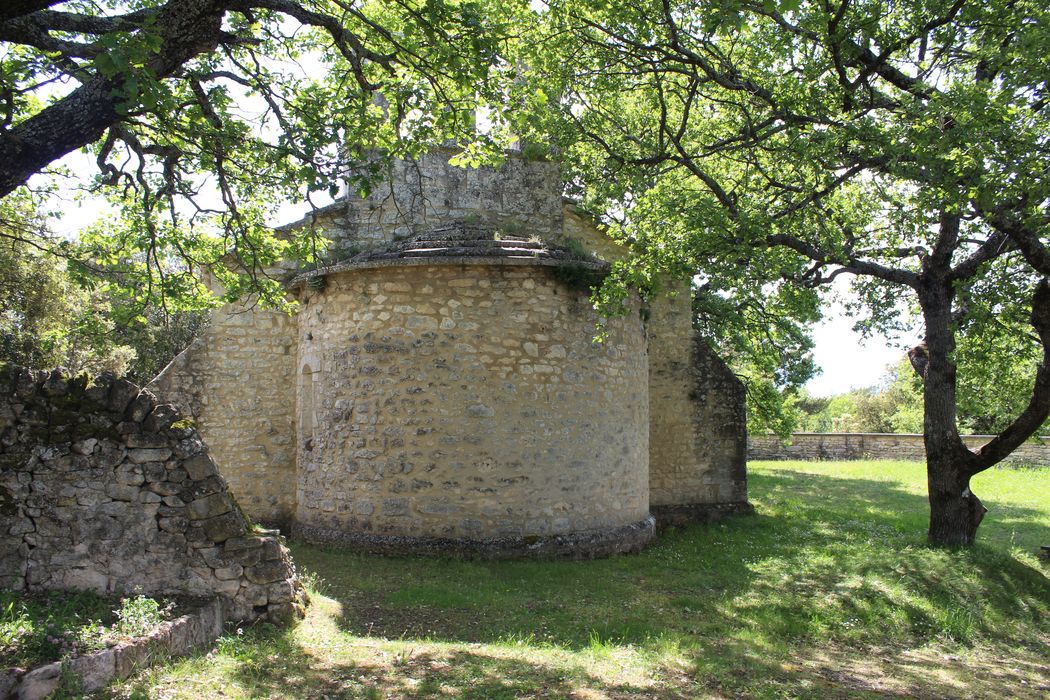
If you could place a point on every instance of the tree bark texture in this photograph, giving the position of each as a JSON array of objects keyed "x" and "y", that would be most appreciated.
[
  {"x": 187, "y": 28},
  {"x": 955, "y": 511}
]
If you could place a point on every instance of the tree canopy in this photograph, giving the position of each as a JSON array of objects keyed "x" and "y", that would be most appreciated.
[
  {"x": 788, "y": 143},
  {"x": 203, "y": 115}
]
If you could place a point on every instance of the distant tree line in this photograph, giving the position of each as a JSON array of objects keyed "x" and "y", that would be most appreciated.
[{"x": 894, "y": 405}]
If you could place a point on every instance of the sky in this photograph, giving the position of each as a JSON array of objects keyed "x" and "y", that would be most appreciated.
[{"x": 848, "y": 361}]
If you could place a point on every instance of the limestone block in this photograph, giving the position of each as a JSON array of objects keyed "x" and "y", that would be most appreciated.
[
  {"x": 209, "y": 506},
  {"x": 266, "y": 572},
  {"x": 39, "y": 683},
  {"x": 160, "y": 418},
  {"x": 223, "y": 527},
  {"x": 128, "y": 657},
  {"x": 200, "y": 467},
  {"x": 230, "y": 572},
  {"x": 140, "y": 406},
  {"x": 94, "y": 670},
  {"x": 121, "y": 393},
  {"x": 143, "y": 454}
]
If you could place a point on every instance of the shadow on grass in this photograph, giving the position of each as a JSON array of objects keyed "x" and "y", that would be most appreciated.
[
  {"x": 818, "y": 595},
  {"x": 837, "y": 561},
  {"x": 824, "y": 557}
]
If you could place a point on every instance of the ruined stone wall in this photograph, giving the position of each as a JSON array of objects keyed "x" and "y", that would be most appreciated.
[
  {"x": 698, "y": 429},
  {"x": 238, "y": 383},
  {"x": 104, "y": 489},
  {"x": 469, "y": 402},
  {"x": 578, "y": 226},
  {"x": 521, "y": 196},
  {"x": 836, "y": 446}
]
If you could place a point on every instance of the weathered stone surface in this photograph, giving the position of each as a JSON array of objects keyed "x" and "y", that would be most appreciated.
[
  {"x": 241, "y": 543},
  {"x": 173, "y": 524},
  {"x": 140, "y": 406},
  {"x": 141, "y": 455},
  {"x": 121, "y": 393},
  {"x": 209, "y": 506},
  {"x": 82, "y": 516},
  {"x": 227, "y": 573},
  {"x": 223, "y": 527},
  {"x": 442, "y": 433},
  {"x": 85, "y": 447},
  {"x": 148, "y": 440},
  {"x": 280, "y": 592},
  {"x": 160, "y": 418},
  {"x": 95, "y": 670},
  {"x": 39, "y": 683},
  {"x": 128, "y": 657},
  {"x": 267, "y": 572},
  {"x": 8, "y": 681},
  {"x": 199, "y": 467}
]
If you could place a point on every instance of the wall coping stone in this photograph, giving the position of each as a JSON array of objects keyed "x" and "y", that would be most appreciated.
[{"x": 447, "y": 261}]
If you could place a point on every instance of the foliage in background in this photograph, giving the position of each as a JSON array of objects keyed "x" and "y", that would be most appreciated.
[
  {"x": 894, "y": 405},
  {"x": 761, "y": 331},
  {"x": 202, "y": 116},
  {"x": 51, "y": 315}
]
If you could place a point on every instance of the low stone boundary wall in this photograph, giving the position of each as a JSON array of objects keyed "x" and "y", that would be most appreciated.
[
  {"x": 93, "y": 671},
  {"x": 832, "y": 446},
  {"x": 102, "y": 488}
]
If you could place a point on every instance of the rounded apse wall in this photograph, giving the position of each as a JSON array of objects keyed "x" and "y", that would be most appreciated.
[{"x": 465, "y": 409}]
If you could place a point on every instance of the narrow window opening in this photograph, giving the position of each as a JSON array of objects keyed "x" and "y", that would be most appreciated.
[{"x": 307, "y": 410}]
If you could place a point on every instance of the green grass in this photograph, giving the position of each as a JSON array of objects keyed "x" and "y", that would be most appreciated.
[{"x": 829, "y": 591}]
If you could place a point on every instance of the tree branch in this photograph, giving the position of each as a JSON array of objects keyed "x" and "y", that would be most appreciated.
[
  {"x": 1038, "y": 408},
  {"x": 20, "y": 8}
]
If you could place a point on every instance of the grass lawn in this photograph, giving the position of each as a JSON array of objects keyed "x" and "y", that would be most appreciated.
[{"x": 829, "y": 591}]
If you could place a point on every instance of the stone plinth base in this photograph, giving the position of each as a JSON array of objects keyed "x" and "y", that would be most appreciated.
[
  {"x": 590, "y": 544},
  {"x": 667, "y": 516}
]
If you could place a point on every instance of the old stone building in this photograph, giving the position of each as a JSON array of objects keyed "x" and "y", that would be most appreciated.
[{"x": 439, "y": 389}]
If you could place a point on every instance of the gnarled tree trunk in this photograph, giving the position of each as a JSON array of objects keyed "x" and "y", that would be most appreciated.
[{"x": 955, "y": 511}]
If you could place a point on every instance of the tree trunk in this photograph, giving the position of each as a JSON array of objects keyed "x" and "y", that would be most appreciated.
[{"x": 955, "y": 511}]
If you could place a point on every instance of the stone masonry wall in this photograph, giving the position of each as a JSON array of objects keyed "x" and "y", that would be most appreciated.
[
  {"x": 103, "y": 489},
  {"x": 697, "y": 433},
  {"x": 524, "y": 196},
  {"x": 835, "y": 446},
  {"x": 468, "y": 402},
  {"x": 237, "y": 381}
]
